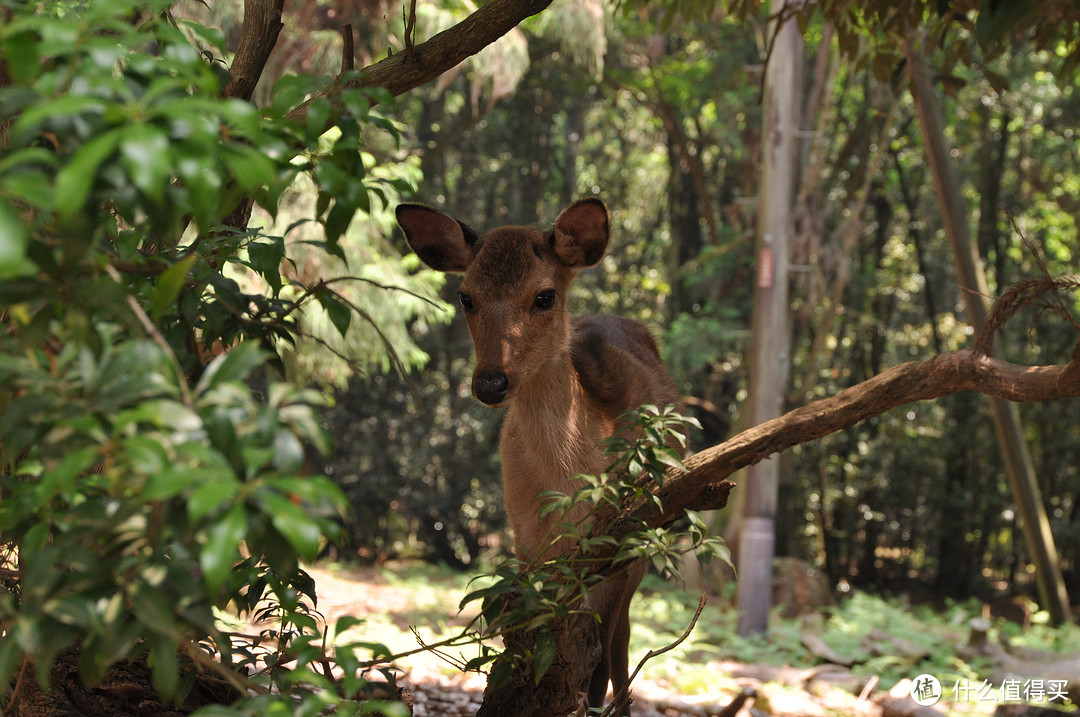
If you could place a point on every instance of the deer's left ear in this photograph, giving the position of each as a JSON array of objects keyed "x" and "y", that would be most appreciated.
[
  {"x": 441, "y": 242},
  {"x": 581, "y": 233}
]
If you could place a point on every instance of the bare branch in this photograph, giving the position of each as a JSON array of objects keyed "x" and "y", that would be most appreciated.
[
  {"x": 152, "y": 331},
  {"x": 348, "y": 49},
  {"x": 410, "y": 30},
  {"x": 622, "y": 699}
]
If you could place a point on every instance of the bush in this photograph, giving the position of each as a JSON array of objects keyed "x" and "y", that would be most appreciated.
[{"x": 145, "y": 483}]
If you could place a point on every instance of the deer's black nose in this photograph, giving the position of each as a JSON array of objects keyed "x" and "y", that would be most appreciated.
[{"x": 490, "y": 386}]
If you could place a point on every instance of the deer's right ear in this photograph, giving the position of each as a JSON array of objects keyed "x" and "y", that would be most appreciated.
[
  {"x": 581, "y": 233},
  {"x": 441, "y": 242}
]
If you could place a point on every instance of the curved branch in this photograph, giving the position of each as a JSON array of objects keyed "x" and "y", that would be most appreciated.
[{"x": 702, "y": 485}]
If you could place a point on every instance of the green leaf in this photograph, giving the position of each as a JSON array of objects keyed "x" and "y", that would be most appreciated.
[
  {"x": 34, "y": 541},
  {"x": 10, "y": 657},
  {"x": 62, "y": 478},
  {"x": 21, "y": 56},
  {"x": 339, "y": 312},
  {"x": 337, "y": 220},
  {"x": 164, "y": 664},
  {"x": 266, "y": 257},
  {"x": 301, "y": 530},
  {"x": 236, "y": 364},
  {"x": 13, "y": 241},
  {"x": 210, "y": 35},
  {"x": 200, "y": 177},
  {"x": 31, "y": 120},
  {"x": 543, "y": 654},
  {"x": 32, "y": 185},
  {"x": 288, "y": 452},
  {"x": 174, "y": 480},
  {"x": 169, "y": 285},
  {"x": 144, "y": 150},
  {"x": 314, "y": 490},
  {"x": 501, "y": 672},
  {"x": 145, "y": 453},
  {"x": 250, "y": 168},
  {"x": 76, "y": 179},
  {"x": 670, "y": 458},
  {"x": 71, "y": 610},
  {"x": 207, "y": 497},
  {"x": 222, "y": 548}
]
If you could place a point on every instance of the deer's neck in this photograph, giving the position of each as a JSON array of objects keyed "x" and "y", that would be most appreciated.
[{"x": 551, "y": 419}]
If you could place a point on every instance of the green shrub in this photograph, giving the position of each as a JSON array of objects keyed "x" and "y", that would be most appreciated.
[{"x": 143, "y": 484}]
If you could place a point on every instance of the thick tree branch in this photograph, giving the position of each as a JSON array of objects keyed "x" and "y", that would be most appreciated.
[
  {"x": 404, "y": 71},
  {"x": 399, "y": 73},
  {"x": 258, "y": 35},
  {"x": 704, "y": 486}
]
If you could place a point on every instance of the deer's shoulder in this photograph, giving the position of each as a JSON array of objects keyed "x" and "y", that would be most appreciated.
[{"x": 618, "y": 363}]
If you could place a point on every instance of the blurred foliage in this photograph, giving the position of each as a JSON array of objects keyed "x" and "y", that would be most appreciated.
[
  {"x": 439, "y": 499},
  {"x": 151, "y": 462}
]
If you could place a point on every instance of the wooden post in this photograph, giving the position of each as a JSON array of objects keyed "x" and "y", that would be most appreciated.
[{"x": 771, "y": 324}]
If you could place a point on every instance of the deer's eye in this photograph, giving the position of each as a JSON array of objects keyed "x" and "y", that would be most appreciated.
[
  {"x": 545, "y": 299},
  {"x": 466, "y": 301}
]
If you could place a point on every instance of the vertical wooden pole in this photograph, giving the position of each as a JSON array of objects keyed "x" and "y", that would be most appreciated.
[{"x": 771, "y": 325}]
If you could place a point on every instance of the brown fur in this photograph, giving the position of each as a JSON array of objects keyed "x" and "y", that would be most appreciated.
[{"x": 564, "y": 380}]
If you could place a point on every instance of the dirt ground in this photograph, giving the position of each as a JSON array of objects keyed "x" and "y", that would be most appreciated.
[{"x": 441, "y": 691}]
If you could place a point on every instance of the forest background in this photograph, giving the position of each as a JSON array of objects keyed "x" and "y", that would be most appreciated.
[
  {"x": 662, "y": 120},
  {"x": 654, "y": 108}
]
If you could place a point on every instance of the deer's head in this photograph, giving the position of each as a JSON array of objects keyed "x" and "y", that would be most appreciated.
[{"x": 514, "y": 290}]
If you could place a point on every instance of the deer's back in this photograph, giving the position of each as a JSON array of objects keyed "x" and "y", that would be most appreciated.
[{"x": 619, "y": 365}]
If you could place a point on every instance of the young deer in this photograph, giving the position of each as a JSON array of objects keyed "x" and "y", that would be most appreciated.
[{"x": 565, "y": 380}]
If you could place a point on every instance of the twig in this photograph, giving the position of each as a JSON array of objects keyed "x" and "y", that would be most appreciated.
[
  {"x": 323, "y": 283},
  {"x": 395, "y": 360},
  {"x": 1026, "y": 292},
  {"x": 410, "y": 30},
  {"x": 1038, "y": 257},
  {"x": 622, "y": 699},
  {"x": 18, "y": 684},
  {"x": 348, "y": 49},
  {"x": 788, "y": 12},
  {"x": 866, "y": 690},
  {"x": 201, "y": 657},
  {"x": 465, "y": 637},
  {"x": 459, "y": 663},
  {"x": 155, "y": 335}
]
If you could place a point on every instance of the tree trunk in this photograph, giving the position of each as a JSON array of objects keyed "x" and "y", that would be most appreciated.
[
  {"x": 770, "y": 329},
  {"x": 1018, "y": 464}
]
